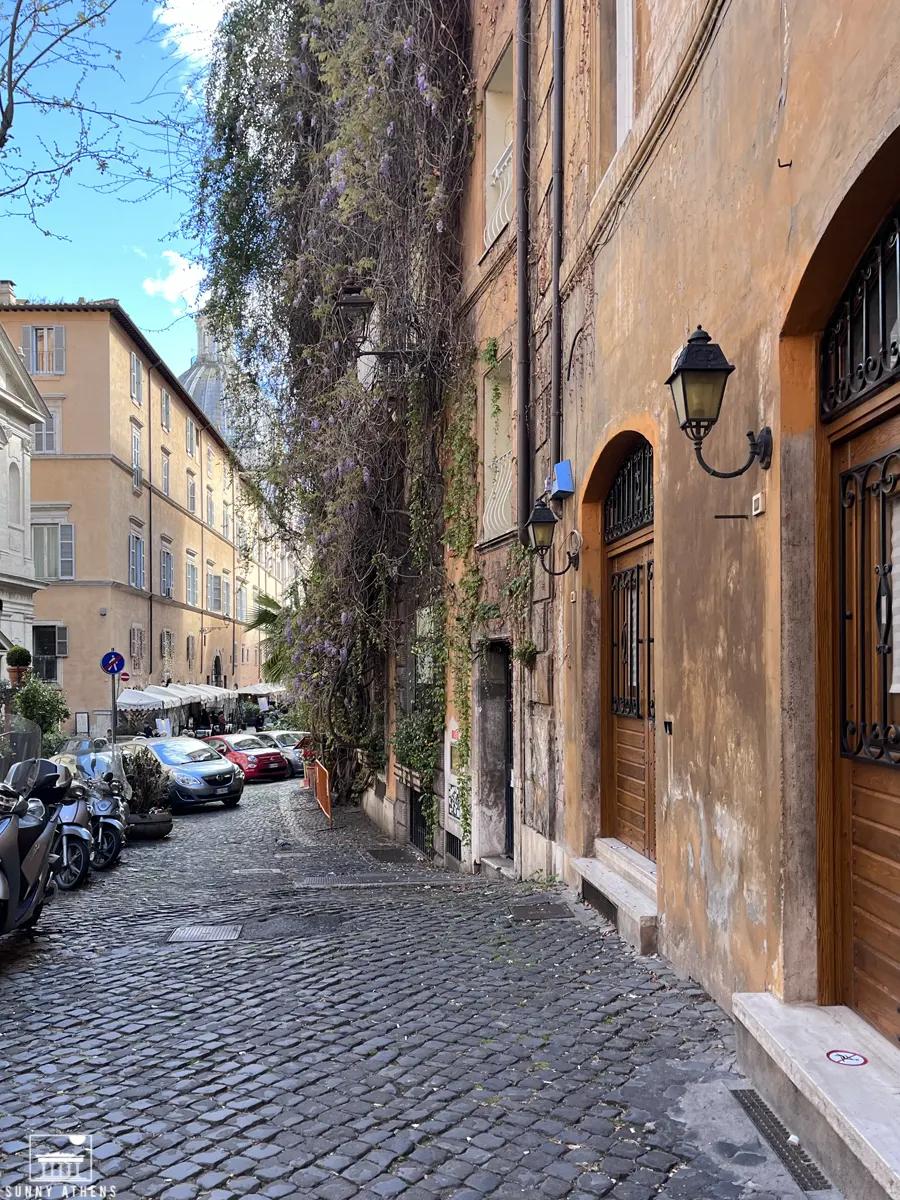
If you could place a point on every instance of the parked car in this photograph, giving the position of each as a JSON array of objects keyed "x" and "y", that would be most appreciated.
[
  {"x": 289, "y": 742},
  {"x": 255, "y": 759},
  {"x": 196, "y": 772}
]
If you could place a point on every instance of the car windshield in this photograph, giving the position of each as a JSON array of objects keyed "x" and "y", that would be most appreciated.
[
  {"x": 247, "y": 743},
  {"x": 176, "y": 754},
  {"x": 287, "y": 739}
]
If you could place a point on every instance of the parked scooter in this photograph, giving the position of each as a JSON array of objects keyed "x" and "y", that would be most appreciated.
[
  {"x": 77, "y": 838},
  {"x": 31, "y": 799},
  {"x": 108, "y": 795}
]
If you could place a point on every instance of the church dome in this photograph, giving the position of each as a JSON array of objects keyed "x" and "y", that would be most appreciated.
[{"x": 205, "y": 379}]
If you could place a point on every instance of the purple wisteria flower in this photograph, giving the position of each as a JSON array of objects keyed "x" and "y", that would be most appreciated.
[
  {"x": 408, "y": 45},
  {"x": 389, "y": 60},
  {"x": 390, "y": 129},
  {"x": 370, "y": 91}
]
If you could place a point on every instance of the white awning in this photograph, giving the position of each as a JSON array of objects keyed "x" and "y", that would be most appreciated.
[
  {"x": 133, "y": 699},
  {"x": 262, "y": 689},
  {"x": 184, "y": 693},
  {"x": 219, "y": 694}
]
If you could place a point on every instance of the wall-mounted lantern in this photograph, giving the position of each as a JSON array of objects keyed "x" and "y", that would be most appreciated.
[
  {"x": 352, "y": 299},
  {"x": 698, "y": 379},
  {"x": 540, "y": 526}
]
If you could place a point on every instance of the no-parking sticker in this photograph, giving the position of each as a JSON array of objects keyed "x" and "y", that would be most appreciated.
[{"x": 847, "y": 1058}]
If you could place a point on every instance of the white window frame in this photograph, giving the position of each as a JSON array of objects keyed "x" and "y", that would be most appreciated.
[
  {"x": 226, "y": 597},
  {"x": 65, "y": 550},
  {"x": 190, "y": 438},
  {"x": 136, "y": 456},
  {"x": 226, "y": 522},
  {"x": 192, "y": 493},
  {"x": 44, "y": 361},
  {"x": 136, "y": 561},
  {"x": 191, "y": 584},
  {"x": 166, "y": 473},
  {"x": 210, "y": 508},
  {"x": 209, "y": 462},
  {"x": 137, "y": 379},
  {"x": 624, "y": 69},
  {"x": 166, "y": 573},
  {"x": 50, "y": 431},
  {"x": 165, "y": 410}
]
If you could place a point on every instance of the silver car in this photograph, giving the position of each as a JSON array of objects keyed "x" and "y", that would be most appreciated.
[
  {"x": 197, "y": 774},
  {"x": 288, "y": 742}
]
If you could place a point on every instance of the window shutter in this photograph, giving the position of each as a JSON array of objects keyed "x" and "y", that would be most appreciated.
[
  {"x": 28, "y": 347},
  {"x": 141, "y": 576},
  {"x": 132, "y": 639},
  {"x": 67, "y": 551},
  {"x": 163, "y": 575},
  {"x": 139, "y": 379},
  {"x": 132, "y": 374},
  {"x": 62, "y": 641},
  {"x": 59, "y": 349}
]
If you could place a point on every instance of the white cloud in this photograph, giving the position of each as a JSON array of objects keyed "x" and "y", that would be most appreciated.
[
  {"x": 137, "y": 250},
  {"x": 181, "y": 286},
  {"x": 191, "y": 25}
]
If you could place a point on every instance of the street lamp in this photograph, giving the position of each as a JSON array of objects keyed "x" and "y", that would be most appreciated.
[
  {"x": 353, "y": 299},
  {"x": 699, "y": 376},
  {"x": 540, "y": 526}
]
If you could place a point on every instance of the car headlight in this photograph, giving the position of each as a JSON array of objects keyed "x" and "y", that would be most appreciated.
[
  {"x": 187, "y": 780},
  {"x": 251, "y": 759}
]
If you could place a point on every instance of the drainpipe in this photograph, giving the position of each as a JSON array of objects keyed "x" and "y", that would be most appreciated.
[
  {"x": 523, "y": 308},
  {"x": 556, "y": 220}
]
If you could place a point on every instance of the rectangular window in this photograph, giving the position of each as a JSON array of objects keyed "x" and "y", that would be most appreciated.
[
  {"x": 44, "y": 436},
  {"x": 191, "y": 649},
  {"x": 226, "y": 522},
  {"x": 53, "y": 549},
  {"x": 226, "y": 597},
  {"x": 191, "y": 492},
  {"x": 166, "y": 573},
  {"x": 135, "y": 560},
  {"x": 498, "y": 150},
  {"x": 241, "y": 604},
  {"x": 165, "y": 474},
  {"x": 44, "y": 349},
  {"x": 136, "y": 646},
  {"x": 498, "y": 501},
  {"x": 213, "y": 592},
  {"x": 137, "y": 379},
  {"x": 209, "y": 461},
  {"x": 210, "y": 508},
  {"x": 166, "y": 410},
  {"x": 190, "y": 437},
  {"x": 167, "y": 647},
  {"x": 136, "y": 457},
  {"x": 51, "y": 643},
  {"x": 612, "y": 80},
  {"x": 191, "y": 584}
]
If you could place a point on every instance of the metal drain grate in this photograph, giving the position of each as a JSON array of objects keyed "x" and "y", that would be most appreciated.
[
  {"x": 205, "y": 933},
  {"x": 800, "y": 1166},
  {"x": 541, "y": 912}
]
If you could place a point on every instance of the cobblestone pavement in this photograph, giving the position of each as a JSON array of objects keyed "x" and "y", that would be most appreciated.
[{"x": 379, "y": 1029}]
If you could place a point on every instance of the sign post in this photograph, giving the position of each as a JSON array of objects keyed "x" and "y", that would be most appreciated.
[{"x": 113, "y": 664}]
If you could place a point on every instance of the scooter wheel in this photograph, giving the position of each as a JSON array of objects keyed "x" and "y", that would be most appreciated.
[
  {"x": 69, "y": 876},
  {"x": 107, "y": 849}
]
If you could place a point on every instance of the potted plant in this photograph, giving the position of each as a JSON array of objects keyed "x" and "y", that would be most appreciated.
[
  {"x": 149, "y": 813},
  {"x": 18, "y": 660}
]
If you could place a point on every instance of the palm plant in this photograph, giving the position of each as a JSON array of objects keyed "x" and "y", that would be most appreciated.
[{"x": 271, "y": 619}]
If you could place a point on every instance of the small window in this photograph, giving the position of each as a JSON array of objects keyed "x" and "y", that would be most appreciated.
[
  {"x": 210, "y": 508},
  {"x": 166, "y": 573},
  {"x": 50, "y": 643},
  {"x": 53, "y": 550},
  {"x": 191, "y": 492},
  {"x": 166, "y": 410},
  {"x": 191, "y": 584},
  {"x": 167, "y": 648},
  {"x": 612, "y": 80},
  {"x": 15, "y": 494},
  {"x": 190, "y": 437},
  {"x": 165, "y": 474},
  {"x": 135, "y": 560},
  {"x": 498, "y": 149},
  {"x": 44, "y": 436},
  {"x": 226, "y": 598},
  {"x": 498, "y": 499},
  {"x": 136, "y": 646},
  {"x": 226, "y": 522},
  {"x": 209, "y": 461},
  {"x": 213, "y": 592},
  {"x": 44, "y": 349},
  {"x": 191, "y": 647},
  {"x": 137, "y": 379},
  {"x": 136, "y": 457}
]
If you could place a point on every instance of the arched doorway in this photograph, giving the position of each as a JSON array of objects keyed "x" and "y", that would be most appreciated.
[
  {"x": 859, "y": 412},
  {"x": 217, "y": 672},
  {"x": 628, "y": 717}
]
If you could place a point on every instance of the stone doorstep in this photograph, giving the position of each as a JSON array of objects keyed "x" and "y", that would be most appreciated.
[
  {"x": 633, "y": 867},
  {"x": 847, "y": 1117},
  {"x": 634, "y": 914},
  {"x": 496, "y": 866}
]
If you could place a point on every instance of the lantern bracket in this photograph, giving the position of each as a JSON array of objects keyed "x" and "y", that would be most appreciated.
[{"x": 760, "y": 450}]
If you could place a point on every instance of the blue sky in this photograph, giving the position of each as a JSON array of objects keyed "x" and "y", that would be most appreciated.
[{"x": 105, "y": 244}]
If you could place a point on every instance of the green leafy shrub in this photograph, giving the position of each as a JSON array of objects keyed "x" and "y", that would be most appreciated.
[
  {"x": 44, "y": 704},
  {"x": 18, "y": 656},
  {"x": 149, "y": 781}
]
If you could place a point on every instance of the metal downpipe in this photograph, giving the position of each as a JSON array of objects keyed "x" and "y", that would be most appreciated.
[
  {"x": 556, "y": 230},
  {"x": 523, "y": 307}
]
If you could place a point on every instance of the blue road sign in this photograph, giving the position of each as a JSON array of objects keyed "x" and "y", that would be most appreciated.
[{"x": 112, "y": 663}]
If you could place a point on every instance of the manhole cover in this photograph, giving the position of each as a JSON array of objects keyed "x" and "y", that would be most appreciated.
[
  {"x": 206, "y": 933},
  {"x": 541, "y": 912},
  {"x": 390, "y": 854},
  {"x": 801, "y": 1167}
]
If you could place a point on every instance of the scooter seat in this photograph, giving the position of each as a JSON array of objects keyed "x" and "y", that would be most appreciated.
[{"x": 29, "y": 832}]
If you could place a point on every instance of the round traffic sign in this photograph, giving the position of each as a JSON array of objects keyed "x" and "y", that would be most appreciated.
[
  {"x": 112, "y": 663},
  {"x": 124, "y": 676}
]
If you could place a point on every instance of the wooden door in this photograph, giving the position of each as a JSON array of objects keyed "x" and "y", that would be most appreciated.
[
  {"x": 866, "y": 483},
  {"x": 631, "y": 695}
]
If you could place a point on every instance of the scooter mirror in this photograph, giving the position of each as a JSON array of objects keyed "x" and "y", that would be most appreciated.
[
  {"x": 20, "y": 808},
  {"x": 108, "y": 777}
]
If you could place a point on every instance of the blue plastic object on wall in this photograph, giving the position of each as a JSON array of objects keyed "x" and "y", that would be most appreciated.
[{"x": 563, "y": 483}]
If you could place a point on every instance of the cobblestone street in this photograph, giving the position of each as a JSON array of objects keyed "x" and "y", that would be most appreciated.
[{"x": 378, "y": 1029}]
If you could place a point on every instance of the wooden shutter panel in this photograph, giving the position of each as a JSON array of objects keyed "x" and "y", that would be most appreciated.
[
  {"x": 142, "y": 575},
  {"x": 62, "y": 641},
  {"x": 67, "y": 551},
  {"x": 59, "y": 349},
  {"x": 28, "y": 347}
]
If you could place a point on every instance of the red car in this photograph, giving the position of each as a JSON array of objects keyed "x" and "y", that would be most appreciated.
[{"x": 248, "y": 752}]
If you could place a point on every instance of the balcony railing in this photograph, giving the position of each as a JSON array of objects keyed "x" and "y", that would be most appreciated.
[{"x": 499, "y": 198}]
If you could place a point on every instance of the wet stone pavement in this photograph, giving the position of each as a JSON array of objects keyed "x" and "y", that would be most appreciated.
[{"x": 378, "y": 1029}]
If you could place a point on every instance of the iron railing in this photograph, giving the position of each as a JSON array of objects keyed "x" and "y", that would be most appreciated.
[
  {"x": 500, "y": 194},
  {"x": 629, "y": 502}
]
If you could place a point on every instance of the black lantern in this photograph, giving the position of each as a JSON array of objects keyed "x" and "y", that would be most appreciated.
[
  {"x": 540, "y": 526},
  {"x": 699, "y": 376}
]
